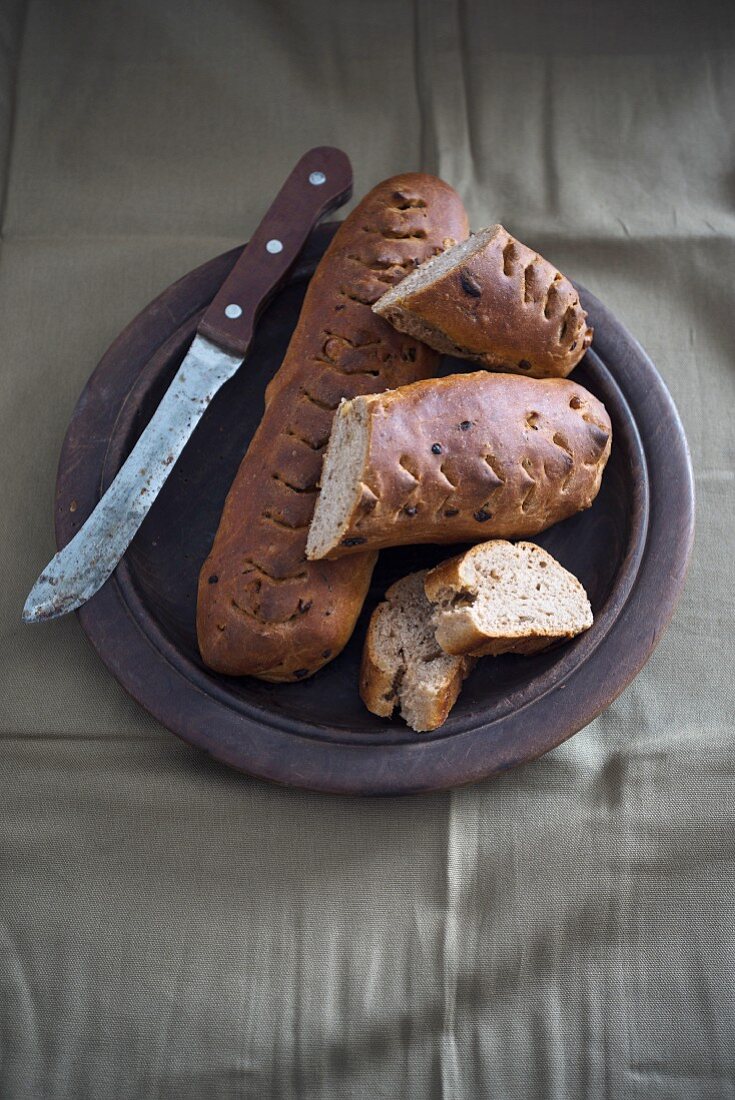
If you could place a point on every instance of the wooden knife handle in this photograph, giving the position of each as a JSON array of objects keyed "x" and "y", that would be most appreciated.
[{"x": 320, "y": 182}]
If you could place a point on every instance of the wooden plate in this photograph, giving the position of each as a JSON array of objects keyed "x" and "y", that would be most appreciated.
[{"x": 630, "y": 550}]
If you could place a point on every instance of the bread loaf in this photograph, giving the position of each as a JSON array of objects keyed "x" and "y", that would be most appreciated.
[
  {"x": 495, "y": 301},
  {"x": 458, "y": 459},
  {"x": 402, "y": 664},
  {"x": 503, "y": 598},
  {"x": 262, "y": 609}
]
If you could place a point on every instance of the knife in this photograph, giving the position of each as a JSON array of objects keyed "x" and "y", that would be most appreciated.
[{"x": 320, "y": 182}]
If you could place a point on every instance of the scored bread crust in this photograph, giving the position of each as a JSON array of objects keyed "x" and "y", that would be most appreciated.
[
  {"x": 457, "y": 630},
  {"x": 379, "y": 690},
  {"x": 463, "y": 459},
  {"x": 262, "y": 609},
  {"x": 503, "y": 306}
]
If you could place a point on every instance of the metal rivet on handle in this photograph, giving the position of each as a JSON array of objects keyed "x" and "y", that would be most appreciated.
[
  {"x": 232, "y": 311},
  {"x": 274, "y": 246},
  {"x": 317, "y": 179}
]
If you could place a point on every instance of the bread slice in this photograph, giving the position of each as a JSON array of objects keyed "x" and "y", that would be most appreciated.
[
  {"x": 402, "y": 665},
  {"x": 499, "y": 597},
  {"x": 495, "y": 301}
]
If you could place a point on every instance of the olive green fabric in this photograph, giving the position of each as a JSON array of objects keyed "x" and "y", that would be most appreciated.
[{"x": 169, "y": 929}]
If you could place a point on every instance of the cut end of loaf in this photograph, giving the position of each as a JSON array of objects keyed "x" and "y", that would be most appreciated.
[
  {"x": 403, "y": 665},
  {"x": 505, "y": 598},
  {"x": 431, "y": 271},
  {"x": 394, "y": 306},
  {"x": 404, "y": 320},
  {"x": 340, "y": 481}
]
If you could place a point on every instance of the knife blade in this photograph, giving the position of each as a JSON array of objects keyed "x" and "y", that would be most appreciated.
[{"x": 321, "y": 181}]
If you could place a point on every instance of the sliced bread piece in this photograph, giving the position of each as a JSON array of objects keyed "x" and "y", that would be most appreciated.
[
  {"x": 495, "y": 301},
  {"x": 403, "y": 666},
  {"x": 499, "y": 597}
]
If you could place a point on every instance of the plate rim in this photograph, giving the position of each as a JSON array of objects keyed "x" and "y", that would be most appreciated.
[{"x": 267, "y": 751}]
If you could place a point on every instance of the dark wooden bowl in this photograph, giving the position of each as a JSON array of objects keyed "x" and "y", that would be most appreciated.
[{"x": 630, "y": 550}]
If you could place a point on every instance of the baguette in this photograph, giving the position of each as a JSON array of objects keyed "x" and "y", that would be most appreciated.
[
  {"x": 262, "y": 609},
  {"x": 458, "y": 459},
  {"x": 503, "y": 598},
  {"x": 402, "y": 664},
  {"x": 495, "y": 301}
]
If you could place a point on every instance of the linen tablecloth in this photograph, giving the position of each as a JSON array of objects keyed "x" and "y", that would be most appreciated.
[{"x": 171, "y": 929}]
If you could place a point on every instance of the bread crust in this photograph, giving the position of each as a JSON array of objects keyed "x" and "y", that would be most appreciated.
[
  {"x": 436, "y": 710},
  {"x": 262, "y": 609},
  {"x": 505, "y": 307},
  {"x": 377, "y": 686},
  {"x": 472, "y": 457},
  {"x": 457, "y": 633}
]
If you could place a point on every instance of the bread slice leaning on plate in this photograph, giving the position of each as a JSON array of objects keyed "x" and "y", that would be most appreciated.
[
  {"x": 500, "y": 597},
  {"x": 402, "y": 663},
  {"x": 425, "y": 637}
]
